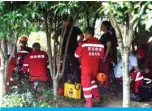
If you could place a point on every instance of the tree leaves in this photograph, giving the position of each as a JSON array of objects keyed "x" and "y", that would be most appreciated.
[
  {"x": 139, "y": 11},
  {"x": 150, "y": 6},
  {"x": 106, "y": 4},
  {"x": 66, "y": 7},
  {"x": 17, "y": 20},
  {"x": 31, "y": 12},
  {"x": 137, "y": 5}
]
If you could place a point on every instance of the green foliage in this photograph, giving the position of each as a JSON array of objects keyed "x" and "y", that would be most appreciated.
[
  {"x": 66, "y": 7},
  {"x": 20, "y": 16},
  {"x": 91, "y": 10},
  {"x": 24, "y": 17},
  {"x": 18, "y": 100},
  {"x": 141, "y": 12},
  {"x": 23, "y": 95},
  {"x": 26, "y": 99},
  {"x": 17, "y": 19}
]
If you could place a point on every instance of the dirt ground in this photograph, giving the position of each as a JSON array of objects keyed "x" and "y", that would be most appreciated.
[
  {"x": 111, "y": 98},
  {"x": 108, "y": 99}
]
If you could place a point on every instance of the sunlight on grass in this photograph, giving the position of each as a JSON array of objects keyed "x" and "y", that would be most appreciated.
[{"x": 38, "y": 37}]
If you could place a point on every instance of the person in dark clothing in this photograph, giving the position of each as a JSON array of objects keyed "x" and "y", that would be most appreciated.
[
  {"x": 110, "y": 35},
  {"x": 110, "y": 43},
  {"x": 73, "y": 44},
  {"x": 114, "y": 44}
]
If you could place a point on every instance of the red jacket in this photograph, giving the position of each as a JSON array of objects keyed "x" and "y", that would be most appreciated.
[
  {"x": 90, "y": 51},
  {"x": 37, "y": 62},
  {"x": 11, "y": 66},
  {"x": 21, "y": 55}
]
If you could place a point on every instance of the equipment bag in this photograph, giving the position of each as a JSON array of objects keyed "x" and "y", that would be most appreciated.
[
  {"x": 72, "y": 90},
  {"x": 145, "y": 92},
  {"x": 135, "y": 97}
]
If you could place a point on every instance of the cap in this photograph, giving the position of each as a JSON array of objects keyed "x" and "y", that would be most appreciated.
[
  {"x": 24, "y": 38},
  {"x": 140, "y": 52}
]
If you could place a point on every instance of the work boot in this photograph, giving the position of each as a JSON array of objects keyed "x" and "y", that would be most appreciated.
[
  {"x": 96, "y": 100},
  {"x": 105, "y": 89},
  {"x": 88, "y": 106}
]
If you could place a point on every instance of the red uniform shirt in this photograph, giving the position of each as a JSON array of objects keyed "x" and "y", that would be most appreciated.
[
  {"x": 90, "y": 51},
  {"x": 37, "y": 62},
  {"x": 21, "y": 54}
]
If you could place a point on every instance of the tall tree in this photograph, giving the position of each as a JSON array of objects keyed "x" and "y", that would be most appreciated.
[
  {"x": 52, "y": 14},
  {"x": 128, "y": 14},
  {"x": 15, "y": 21}
]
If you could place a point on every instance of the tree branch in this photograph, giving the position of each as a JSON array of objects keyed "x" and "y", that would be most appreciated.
[
  {"x": 138, "y": 16},
  {"x": 133, "y": 22},
  {"x": 95, "y": 18},
  {"x": 2, "y": 53},
  {"x": 52, "y": 54},
  {"x": 66, "y": 49},
  {"x": 60, "y": 52},
  {"x": 4, "y": 48},
  {"x": 118, "y": 32},
  {"x": 5, "y": 59},
  {"x": 13, "y": 51},
  {"x": 87, "y": 19},
  {"x": 130, "y": 33},
  {"x": 48, "y": 44}
]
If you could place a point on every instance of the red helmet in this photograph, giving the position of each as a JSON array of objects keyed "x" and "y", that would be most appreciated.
[
  {"x": 101, "y": 77},
  {"x": 24, "y": 38},
  {"x": 61, "y": 91},
  {"x": 141, "y": 52}
]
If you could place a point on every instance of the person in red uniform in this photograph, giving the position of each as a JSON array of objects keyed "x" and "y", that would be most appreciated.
[
  {"x": 23, "y": 51},
  {"x": 149, "y": 66},
  {"x": 36, "y": 62},
  {"x": 90, "y": 52},
  {"x": 11, "y": 67},
  {"x": 11, "y": 64},
  {"x": 110, "y": 45},
  {"x": 146, "y": 64},
  {"x": 144, "y": 71},
  {"x": 21, "y": 54},
  {"x": 135, "y": 71}
]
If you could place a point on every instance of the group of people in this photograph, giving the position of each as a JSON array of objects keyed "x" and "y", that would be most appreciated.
[
  {"x": 89, "y": 54},
  {"x": 32, "y": 60}
]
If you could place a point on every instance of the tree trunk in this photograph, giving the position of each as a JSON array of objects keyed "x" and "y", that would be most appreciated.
[
  {"x": 94, "y": 21},
  {"x": 2, "y": 83},
  {"x": 118, "y": 32},
  {"x": 66, "y": 50},
  {"x": 48, "y": 35},
  {"x": 149, "y": 50},
  {"x": 87, "y": 19},
  {"x": 126, "y": 80},
  {"x": 60, "y": 73},
  {"x": 60, "y": 52},
  {"x": 52, "y": 56},
  {"x": 3, "y": 68},
  {"x": 124, "y": 50},
  {"x": 5, "y": 51},
  {"x": 2, "y": 77},
  {"x": 55, "y": 88},
  {"x": 6, "y": 68},
  {"x": 133, "y": 47},
  {"x": 13, "y": 51}
]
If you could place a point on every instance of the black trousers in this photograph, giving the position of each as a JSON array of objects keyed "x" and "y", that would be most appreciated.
[
  {"x": 114, "y": 55},
  {"x": 72, "y": 69}
]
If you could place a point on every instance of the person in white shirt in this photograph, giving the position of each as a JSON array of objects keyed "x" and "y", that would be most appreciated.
[
  {"x": 135, "y": 73},
  {"x": 133, "y": 64}
]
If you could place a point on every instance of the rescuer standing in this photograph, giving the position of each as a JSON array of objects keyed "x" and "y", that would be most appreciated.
[{"x": 90, "y": 52}]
